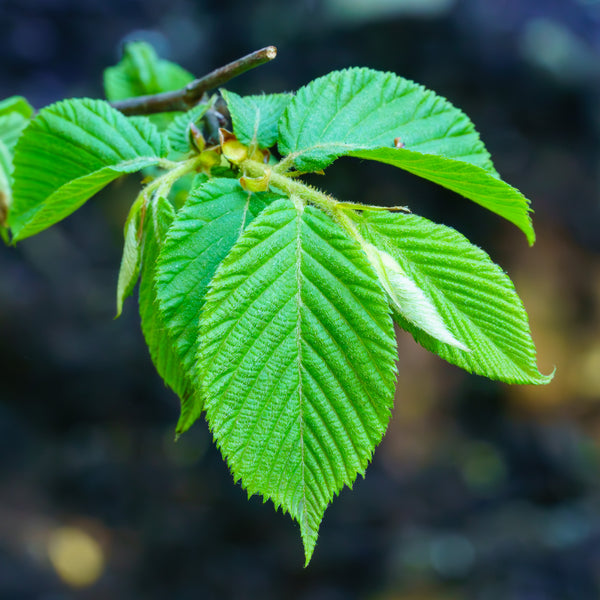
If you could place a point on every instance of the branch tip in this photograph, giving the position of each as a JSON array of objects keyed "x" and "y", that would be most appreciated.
[{"x": 190, "y": 95}]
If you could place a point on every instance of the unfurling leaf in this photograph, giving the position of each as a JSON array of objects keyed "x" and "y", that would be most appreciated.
[
  {"x": 407, "y": 298},
  {"x": 132, "y": 253}
]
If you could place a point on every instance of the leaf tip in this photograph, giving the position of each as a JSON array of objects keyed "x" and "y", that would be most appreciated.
[
  {"x": 309, "y": 547},
  {"x": 546, "y": 379},
  {"x": 529, "y": 232},
  {"x": 309, "y": 531},
  {"x": 119, "y": 310}
]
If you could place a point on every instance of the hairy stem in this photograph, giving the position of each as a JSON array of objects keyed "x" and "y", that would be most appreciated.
[
  {"x": 162, "y": 185},
  {"x": 340, "y": 212},
  {"x": 187, "y": 97},
  {"x": 292, "y": 187}
]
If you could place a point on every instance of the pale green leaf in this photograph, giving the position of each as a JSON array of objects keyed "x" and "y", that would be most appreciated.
[
  {"x": 132, "y": 253},
  {"x": 297, "y": 361},
  {"x": 362, "y": 108},
  {"x": 203, "y": 233},
  {"x": 256, "y": 118},
  {"x": 407, "y": 297},
  {"x": 140, "y": 72},
  {"x": 69, "y": 152},
  {"x": 474, "y": 297},
  {"x": 157, "y": 220}
]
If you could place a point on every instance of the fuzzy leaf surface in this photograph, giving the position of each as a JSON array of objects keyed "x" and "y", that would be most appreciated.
[
  {"x": 70, "y": 151},
  {"x": 156, "y": 222},
  {"x": 361, "y": 112},
  {"x": 203, "y": 233},
  {"x": 362, "y": 108},
  {"x": 297, "y": 361},
  {"x": 407, "y": 298},
  {"x": 256, "y": 118},
  {"x": 140, "y": 72},
  {"x": 475, "y": 298}
]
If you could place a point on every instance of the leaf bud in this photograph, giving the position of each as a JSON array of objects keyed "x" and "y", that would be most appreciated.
[
  {"x": 256, "y": 184},
  {"x": 196, "y": 138},
  {"x": 233, "y": 150}
]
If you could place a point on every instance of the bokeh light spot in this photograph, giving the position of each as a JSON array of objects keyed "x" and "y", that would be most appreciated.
[
  {"x": 452, "y": 555},
  {"x": 76, "y": 556},
  {"x": 483, "y": 467}
]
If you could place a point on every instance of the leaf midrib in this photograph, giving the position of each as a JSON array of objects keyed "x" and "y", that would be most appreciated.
[{"x": 299, "y": 304}]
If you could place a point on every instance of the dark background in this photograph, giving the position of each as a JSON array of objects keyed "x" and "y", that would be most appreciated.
[{"x": 479, "y": 491}]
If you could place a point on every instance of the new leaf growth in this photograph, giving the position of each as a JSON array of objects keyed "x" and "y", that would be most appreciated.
[{"x": 266, "y": 304}]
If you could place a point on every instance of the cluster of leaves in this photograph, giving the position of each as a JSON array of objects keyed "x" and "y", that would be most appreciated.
[{"x": 265, "y": 303}]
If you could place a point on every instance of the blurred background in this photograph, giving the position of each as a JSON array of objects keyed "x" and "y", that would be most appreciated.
[{"x": 479, "y": 491}]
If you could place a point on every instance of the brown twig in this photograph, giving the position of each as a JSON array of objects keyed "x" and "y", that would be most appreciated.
[{"x": 187, "y": 97}]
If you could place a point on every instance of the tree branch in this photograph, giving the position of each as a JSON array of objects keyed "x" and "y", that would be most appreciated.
[{"x": 187, "y": 97}]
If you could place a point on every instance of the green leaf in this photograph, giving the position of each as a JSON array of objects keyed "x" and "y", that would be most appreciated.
[
  {"x": 70, "y": 151},
  {"x": 178, "y": 131},
  {"x": 362, "y": 108},
  {"x": 5, "y": 189},
  {"x": 297, "y": 361},
  {"x": 15, "y": 114},
  {"x": 361, "y": 112},
  {"x": 475, "y": 298},
  {"x": 5, "y": 175},
  {"x": 467, "y": 180},
  {"x": 256, "y": 118},
  {"x": 11, "y": 127},
  {"x": 156, "y": 222},
  {"x": 18, "y": 105},
  {"x": 132, "y": 254},
  {"x": 202, "y": 235},
  {"x": 141, "y": 72}
]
